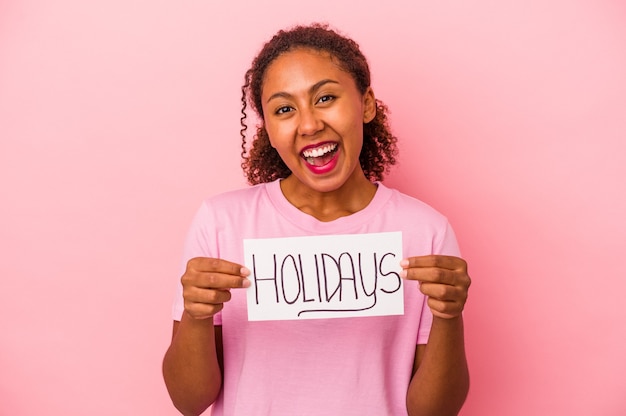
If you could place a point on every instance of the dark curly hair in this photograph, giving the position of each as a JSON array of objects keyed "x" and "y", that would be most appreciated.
[{"x": 262, "y": 162}]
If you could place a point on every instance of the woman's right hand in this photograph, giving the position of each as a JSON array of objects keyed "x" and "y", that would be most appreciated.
[{"x": 207, "y": 283}]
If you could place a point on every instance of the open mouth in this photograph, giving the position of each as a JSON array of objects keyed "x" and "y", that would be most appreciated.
[{"x": 321, "y": 155}]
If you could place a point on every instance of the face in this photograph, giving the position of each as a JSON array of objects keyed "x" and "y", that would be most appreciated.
[{"x": 314, "y": 115}]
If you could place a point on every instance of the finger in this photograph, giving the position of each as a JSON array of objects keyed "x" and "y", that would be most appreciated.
[
  {"x": 445, "y": 310},
  {"x": 432, "y": 275},
  {"x": 444, "y": 293},
  {"x": 209, "y": 280},
  {"x": 207, "y": 264},
  {"x": 434, "y": 260},
  {"x": 207, "y": 296},
  {"x": 202, "y": 310}
]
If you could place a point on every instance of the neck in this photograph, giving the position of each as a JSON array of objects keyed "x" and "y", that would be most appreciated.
[{"x": 328, "y": 206}]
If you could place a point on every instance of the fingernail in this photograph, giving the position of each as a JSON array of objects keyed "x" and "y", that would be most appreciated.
[
  {"x": 403, "y": 273},
  {"x": 245, "y": 283},
  {"x": 404, "y": 263},
  {"x": 244, "y": 271}
]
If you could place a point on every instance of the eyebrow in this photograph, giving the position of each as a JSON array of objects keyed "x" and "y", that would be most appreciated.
[{"x": 313, "y": 88}]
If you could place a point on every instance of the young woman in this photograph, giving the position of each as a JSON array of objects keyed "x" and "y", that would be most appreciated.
[{"x": 316, "y": 163}]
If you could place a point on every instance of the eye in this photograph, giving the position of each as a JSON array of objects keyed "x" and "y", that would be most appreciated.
[
  {"x": 326, "y": 98},
  {"x": 283, "y": 110}
]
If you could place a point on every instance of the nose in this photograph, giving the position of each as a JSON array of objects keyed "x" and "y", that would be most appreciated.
[{"x": 309, "y": 122}]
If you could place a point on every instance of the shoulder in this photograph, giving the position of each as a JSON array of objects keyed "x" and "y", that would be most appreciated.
[
  {"x": 413, "y": 208},
  {"x": 423, "y": 223},
  {"x": 229, "y": 210},
  {"x": 236, "y": 208},
  {"x": 237, "y": 195},
  {"x": 237, "y": 198}
]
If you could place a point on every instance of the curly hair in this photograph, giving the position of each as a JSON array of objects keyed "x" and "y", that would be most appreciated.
[{"x": 262, "y": 162}]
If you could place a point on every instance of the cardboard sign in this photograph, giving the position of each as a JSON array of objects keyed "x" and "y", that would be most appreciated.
[{"x": 334, "y": 276}]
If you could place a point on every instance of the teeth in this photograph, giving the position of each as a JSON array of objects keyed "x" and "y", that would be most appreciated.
[{"x": 319, "y": 151}]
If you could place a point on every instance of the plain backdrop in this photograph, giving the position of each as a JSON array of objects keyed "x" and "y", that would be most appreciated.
[{"x": 117, "y": 118}]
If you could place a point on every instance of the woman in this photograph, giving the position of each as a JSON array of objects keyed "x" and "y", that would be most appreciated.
[{"x": 315, "y": 163}]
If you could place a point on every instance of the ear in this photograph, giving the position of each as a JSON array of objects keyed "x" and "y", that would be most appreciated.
[{"x": 369, "y": 105}]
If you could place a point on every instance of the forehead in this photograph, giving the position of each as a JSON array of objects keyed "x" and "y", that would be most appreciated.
[{"x": 302, "y": 65}]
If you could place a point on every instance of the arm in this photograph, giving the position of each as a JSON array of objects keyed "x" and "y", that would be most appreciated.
[
  {"x": 192, "y": 366},
  {"x": 440, "y": 379}
]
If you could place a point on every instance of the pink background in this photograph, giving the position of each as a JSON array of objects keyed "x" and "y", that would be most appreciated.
[{"x": 117, "y": 118}]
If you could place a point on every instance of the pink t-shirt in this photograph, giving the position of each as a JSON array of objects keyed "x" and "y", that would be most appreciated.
[{"x": 339, "y": 366}]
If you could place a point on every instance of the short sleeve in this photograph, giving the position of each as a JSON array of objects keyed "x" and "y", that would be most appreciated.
[
  {"x": 198, "y": 243},
  {"x": 447, "y": 245}
]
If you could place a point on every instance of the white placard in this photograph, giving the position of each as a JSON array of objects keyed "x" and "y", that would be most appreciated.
[{"x": 334, "y": 276}]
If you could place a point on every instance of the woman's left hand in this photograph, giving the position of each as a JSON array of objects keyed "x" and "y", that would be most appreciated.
[{"x": 443, "y": 279}]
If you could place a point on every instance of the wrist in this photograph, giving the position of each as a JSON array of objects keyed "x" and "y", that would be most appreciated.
[
  {"x": 200, "y": 324},
  {"x": 448, "y": 324}
]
